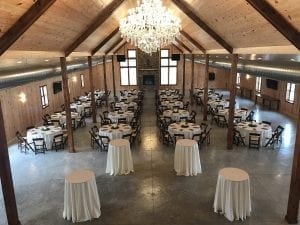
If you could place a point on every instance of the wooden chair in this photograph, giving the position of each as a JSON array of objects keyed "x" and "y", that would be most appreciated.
[
  {"x": 58, "y": 142},
  {"x": 122, "y": 120},
  {"x": 87, "y": 111},
  {"x": 222, "y": 122},
  {"x": 105, "y": 114},
  {"x": 177, "y": 137},
  {"x": 128, "y": 137},
  {"x": 105, "y": 121},
  {"x": 254, "y": 140},
  {"x": 266, "y": 122},
  {"x": 250, "y": 116},
  {"x": 56, "y": 123},
  {"x": 130, "y": 108},
  {"x": 39, "y": 145},
  {"x": 94, "y": 139},
  {"x": 104, "y": 142},
  {"x": 205, "y": 137},
  {"x": 237, "y": 138},
  {"x": 22, "y": 143},
  {"x": 276, "y": 137},
  {"x": 203, "y": 127},
  {"x": 198, "y": 138},
  {"x": 81, "y": 122}
]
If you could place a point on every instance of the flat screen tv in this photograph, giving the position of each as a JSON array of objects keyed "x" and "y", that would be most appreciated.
[
  {"x": 57, "y": 87},
  {"x": 211, "y": 76},
  {"x": 272, "y": 84}
]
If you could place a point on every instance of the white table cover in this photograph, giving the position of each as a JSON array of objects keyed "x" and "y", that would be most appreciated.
[
  {"x": 176, "y": 115},
  {"x": 114, "y": 116},
  {"x": 265, "y": 131},
  {"x": 124, "y": 105},
  {"x": 84, "y": 98},
  {"x": 212, "y": 96},
  {"x": 81, "y": 199},
  {"x": 166, "y": 92},
  {"x": 80, "y": 107},
  {"x": 119, "y": 159},
  {"x": 169, "y": 97},
  {"x": 232, "y": 197},
  {"x": 214, "y": 103},
  {"x": 62, "y": 117},
  {"x": 40, "y": 132},
  {"x": 187, "y": 159},
  {"x": 189, "y": 131},
  {"x": 128, "y": 98},
  {"x": 113, "y": 134},
  {"x": 171, "y": 104},
  {"x": 237, "y": 112}
]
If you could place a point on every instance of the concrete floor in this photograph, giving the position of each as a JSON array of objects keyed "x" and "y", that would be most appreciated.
[{"x": 153, "y": 194}]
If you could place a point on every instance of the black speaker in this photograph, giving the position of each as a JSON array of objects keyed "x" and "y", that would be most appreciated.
[
  {"x": 175, "y": 57},
  {"x": 121, "y": 58},
  {"x": 211, "y": 76}
]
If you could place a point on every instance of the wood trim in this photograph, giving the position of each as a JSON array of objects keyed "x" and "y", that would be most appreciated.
[
  {"x": 114, "y": 45},
  {"x": 205, "y": 95},
  {"x": 104, "y": 74},
  {"x": 232, "y": 83},
  {"x": 92, "y": 89},
  {"x": 183, "y": 76},
  {"x": 23, "y": 23},
  {"x": 187, "y": 36},
  {"x": 192, "y": 80},
  {"x": 183, "y": 45},
  {"x": 121, "y": 46},
  {"x": 64, "y": 74},
  {"x": 102, "y": 43},
  {"x": 6, "y": 178},
  {"x": 277, "y": 20},
  {"x": 177, "y": 47},
  {"x": 98, "y": 21},
  {"x": 185, "y": 7},
  {"x": 113, "y": 74}
]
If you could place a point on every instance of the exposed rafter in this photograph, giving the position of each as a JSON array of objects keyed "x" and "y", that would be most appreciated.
[
  {"x": 183, "y": 45},
  {"x": 277, "y": 20},
  {"x": 122, "y": 45},
  {"x": 111, "y": 35},
  {"x": 176, "y": 45},
  {"x": 187, "y": 36},
  {"x": 23, "y": 23},
  {"x": 184, "y": 7},
  {"x": 103, "y": 15},
  {"x": 114, "y": 45}
]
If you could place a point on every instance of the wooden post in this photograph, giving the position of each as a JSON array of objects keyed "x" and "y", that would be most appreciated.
[
  {"x": 192, "y": 80},
  {"x": 205, "y": 94},
  {"x": 105, "y": 81},
  {"x": 92, "y": 89},
  {"x": 183, "y": 76},
  {"x": 64, "y": 74},
  {"x": 294, "y": 195},
  {"x": 232, "y": 83},
  {"x": 113, "y": 74},
  {"x": 6, "y": 178}
]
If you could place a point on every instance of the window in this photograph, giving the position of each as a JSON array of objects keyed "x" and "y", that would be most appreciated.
[
  {"x": 290, "y": 92},
  {"x": 258, "y": 84},
  {"x": 168, "y": 69},
  {"x": 128, "y": 69},
  {"x": 238, "y": 79},
  {"x": 44, "y": 96},
  {"x": 82, "y": 80}
]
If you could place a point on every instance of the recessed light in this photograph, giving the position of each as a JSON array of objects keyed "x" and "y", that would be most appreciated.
[{"x": 19, "y": 62}]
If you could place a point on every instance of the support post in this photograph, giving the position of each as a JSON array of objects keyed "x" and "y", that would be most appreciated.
[
  {"x": 105, "y": 81},
  {"x": 113, "y": 74},
  {"x": 205, "y": 94},
  {"x": 64, "y": 74},
  {"x": 232, "y": 83},
  {"x": 294, "y": 195},
  {"x": 192, "y": 82},
  {"x": 183, "y": 76},
  {"x": 92, "y": 89},
  {"x": 6, "y": 178}
]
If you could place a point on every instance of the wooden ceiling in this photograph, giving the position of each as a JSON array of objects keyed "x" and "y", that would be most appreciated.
[{"x": 242, "y": 27}]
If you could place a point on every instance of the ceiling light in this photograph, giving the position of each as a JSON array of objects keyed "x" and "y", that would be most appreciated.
[
  {"x": 150, "y": 26},
  {"x": 46, "y": 60},
  {"x": 19, "y": 62}
]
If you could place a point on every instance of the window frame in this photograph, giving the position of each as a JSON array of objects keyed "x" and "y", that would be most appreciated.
[
  {"x": 289, "y": 91},
  {"x": 44, "y": 96},
  {"x": 169, "y": 68},
  {"x": 258, "y": 83},
  {"x": 128, "y": 67}
]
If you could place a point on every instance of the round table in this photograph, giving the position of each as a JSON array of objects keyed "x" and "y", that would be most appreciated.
[
  {"x": 180, "y": 128},
  {"x": 81, "y": 200},
  {"x": 80, "y": 107},
  {"x": 237, "y": 112},
  {"x": 232, "y": 197},
  {"x": 46, "y": 132},
  {"x": 62, "y": 117},
  {"x": 171, "y": 104},
  {"x": 119, "y": 159},
  {"x": 265, "y": 131},
  {"x": 176, "y": 115},
  {"x": 214, "y": 103},
  {"x": 166, "y": 92},
  {"x": 115, "y": 115},
  {"x": 169, "y": 97},
  {"x": 109, "y": 131},
  {"x": 84, "y": 98},
  {"x": 128, "y": 98},
  {"x": 124, "y": 105},
  {"x": 186, "y": 158}
]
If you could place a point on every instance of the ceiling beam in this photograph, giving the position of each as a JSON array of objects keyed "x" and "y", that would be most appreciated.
[
  {"x": 195, "y": 43},
  {"x": 277, "y": 20},
  {"x": 185, "y": 7},
  {"x": 113, "y": 33},
  {"x": 114, "y": 45},
  {"x": 23, "y": 23},
  {"x": 121, "y": 46},
  {"x": 183, "y": 45},
  {"x": 175, "y": 44},
  {"x": 102, "y": 16}
]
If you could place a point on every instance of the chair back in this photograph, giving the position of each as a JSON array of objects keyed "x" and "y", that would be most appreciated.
[
  {"x": 266, "y": 122},
  {"x": 122, "y": 120}
]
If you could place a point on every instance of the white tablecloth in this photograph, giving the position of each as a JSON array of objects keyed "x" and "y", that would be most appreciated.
[
  {"x": 119, "y": 159},
  {"x": 80, "y": 107},
  {"x": 189, "y": 131},
  {"x": 113, "y": 134},
  {"x": 166, "y": 92},
  {"x": 186, "y": 158},
  {"x": 128, "y": 98},
  {"x": 171, "y": 104},
  {"x": 214, "y": 103},
  {"x": 41, "y": 132},
  {"x": 169, "y": 97},
  {"x": 84, "y": 98},
  {"x": 212, "y": 96},
  {"x": 232, "y": 197},
  {"x": 62, "y": 117},
  {"x": 114, "y": 116},
  {"x": 265, "y": 131},
  {"x": 237, "y": 112},
  {"x": 176, "y": 115},
  {"x": 81, "y": 199},
  {"x": 124, "y": 105}
]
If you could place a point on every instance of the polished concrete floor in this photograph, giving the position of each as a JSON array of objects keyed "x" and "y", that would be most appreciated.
[{"x": 153, "y": 194}]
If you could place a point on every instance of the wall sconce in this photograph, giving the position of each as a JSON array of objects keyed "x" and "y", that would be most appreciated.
[
  {"x": 248, "y": 76},
  {"x": 74, "y": 79},
  {"x": 22, "y": 97}
]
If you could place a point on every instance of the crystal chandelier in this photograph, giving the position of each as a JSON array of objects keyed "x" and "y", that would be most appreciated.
[{"x": 150, "y": 26}]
